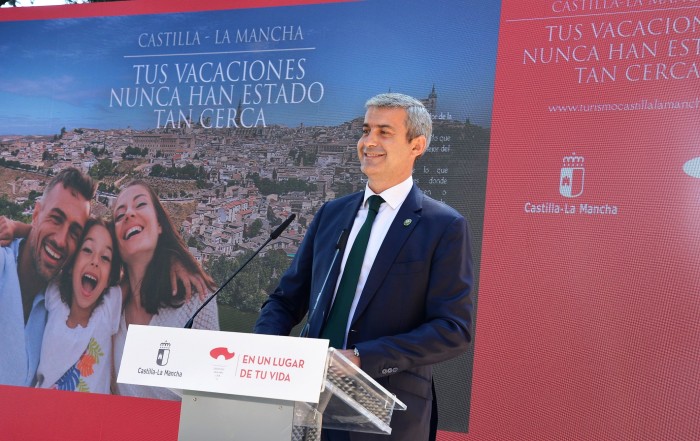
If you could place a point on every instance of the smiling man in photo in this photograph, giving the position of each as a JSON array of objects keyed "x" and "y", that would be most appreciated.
[{"x": 28, "y": 265}]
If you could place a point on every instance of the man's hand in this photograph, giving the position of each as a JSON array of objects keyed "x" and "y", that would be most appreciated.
[
  {"x": 193, "y": 282},
  {"x": 7, "y": 231},
  {"x": 11, "y": 230},
  {"x": 350, "y": 355}
]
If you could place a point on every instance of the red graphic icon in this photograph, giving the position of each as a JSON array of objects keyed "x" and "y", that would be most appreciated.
[{"x": 221, "y": 352}]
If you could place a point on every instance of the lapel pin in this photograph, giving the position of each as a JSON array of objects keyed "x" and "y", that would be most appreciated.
[{"x": 407, "y": 222}]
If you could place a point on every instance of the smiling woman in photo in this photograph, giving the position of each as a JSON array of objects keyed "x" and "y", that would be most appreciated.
[{"x": 149, "y": 244}]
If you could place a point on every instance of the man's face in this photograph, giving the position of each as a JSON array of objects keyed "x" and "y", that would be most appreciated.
[
  {"x": 386, "y": 155},
  {"x": 57, "y": 224}
]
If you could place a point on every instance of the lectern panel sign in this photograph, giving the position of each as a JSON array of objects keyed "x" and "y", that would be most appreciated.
[{"x": 284, "y": 368}]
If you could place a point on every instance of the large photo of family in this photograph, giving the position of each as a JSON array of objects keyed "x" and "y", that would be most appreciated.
[{"x": 78, "y": 280}]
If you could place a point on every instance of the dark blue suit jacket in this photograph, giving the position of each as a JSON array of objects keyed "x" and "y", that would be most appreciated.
[{"x": 415, "y": 309}]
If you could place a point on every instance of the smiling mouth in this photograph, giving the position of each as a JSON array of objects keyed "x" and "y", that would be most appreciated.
[
  {"x": 132, "y": 232},
  {"x": 89, "y": 282},
  {"x": 52, "y": 253}
]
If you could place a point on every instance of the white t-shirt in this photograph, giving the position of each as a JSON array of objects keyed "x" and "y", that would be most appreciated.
[{"x": 79, "y": 358}]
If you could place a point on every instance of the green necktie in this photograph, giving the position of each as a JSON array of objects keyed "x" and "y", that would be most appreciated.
[{"x": 334, "y": 329}]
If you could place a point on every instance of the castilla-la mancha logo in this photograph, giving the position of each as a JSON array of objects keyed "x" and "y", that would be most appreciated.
[
  {"x": 571, "y": 176},
  {"x": 163, "y": 354}
]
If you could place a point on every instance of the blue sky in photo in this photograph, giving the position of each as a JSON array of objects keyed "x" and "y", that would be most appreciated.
[{"x": 61, "y": 73}]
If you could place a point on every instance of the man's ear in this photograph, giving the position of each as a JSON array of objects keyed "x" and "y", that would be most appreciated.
[{"x": 418, "y": 145}]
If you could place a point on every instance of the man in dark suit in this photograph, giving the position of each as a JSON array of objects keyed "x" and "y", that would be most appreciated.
[{"x": 411, "y": 306}]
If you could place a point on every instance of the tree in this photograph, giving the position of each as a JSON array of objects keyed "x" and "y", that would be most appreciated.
[
  {"x": 220, "y": 270},
  {"x": 103, "y": 168},
  {"x": 193, "y": 242},
  {"x": 249, "y": 289},
  {"x": 47, "y": 156},
  {"x": 268, "y": 186},
  {"x": 103, "y": 187},
  {"x": 157, "y": 170},
  {"x": 13, "y": 210},
  {"x": 254, "y": 228},
  {"x": 271, "y": 217}
]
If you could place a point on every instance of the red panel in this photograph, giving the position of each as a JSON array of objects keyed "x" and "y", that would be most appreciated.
[
  {"x": 587, "y": 323},
  {"x": 42, "y": 414}
]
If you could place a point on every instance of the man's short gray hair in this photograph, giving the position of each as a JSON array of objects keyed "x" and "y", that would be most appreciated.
[{"x": 418, "y": 120}]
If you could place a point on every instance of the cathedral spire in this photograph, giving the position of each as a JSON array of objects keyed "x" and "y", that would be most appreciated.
[{"x": 431, "y": 102}]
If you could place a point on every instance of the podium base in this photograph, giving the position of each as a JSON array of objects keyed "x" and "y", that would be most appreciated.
[{"x": 218, "y": 417}]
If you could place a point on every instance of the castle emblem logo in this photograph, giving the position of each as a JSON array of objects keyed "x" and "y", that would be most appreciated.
[
  {"x": 571, "y": 176},
  {"x": 163, "y": 354}
]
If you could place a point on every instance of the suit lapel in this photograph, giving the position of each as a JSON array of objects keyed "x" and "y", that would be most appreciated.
[{"x": 399, "y": 231}]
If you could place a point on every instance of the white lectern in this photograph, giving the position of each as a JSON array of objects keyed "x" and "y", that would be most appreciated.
[{"x": 251, "y": 387}]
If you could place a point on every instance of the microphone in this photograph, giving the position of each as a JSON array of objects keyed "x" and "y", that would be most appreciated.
[
  {"x": 339, "y": 249},
  {"x": 274, "y": 235}
]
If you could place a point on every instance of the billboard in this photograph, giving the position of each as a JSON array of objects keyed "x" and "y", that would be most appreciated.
[
  {"x": 565, "y": 131},
  {"x": 237, "y": 117}
]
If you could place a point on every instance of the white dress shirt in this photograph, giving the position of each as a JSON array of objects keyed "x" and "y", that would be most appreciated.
[{"x": 393, "y": 199}]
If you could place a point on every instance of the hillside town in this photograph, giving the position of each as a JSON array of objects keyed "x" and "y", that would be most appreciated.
[
  {"x": 226, "y": 188},
  {"x": 221, "y": 200}
]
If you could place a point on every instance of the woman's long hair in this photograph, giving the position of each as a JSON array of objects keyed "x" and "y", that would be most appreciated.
[{"x": 156, "y": 290}]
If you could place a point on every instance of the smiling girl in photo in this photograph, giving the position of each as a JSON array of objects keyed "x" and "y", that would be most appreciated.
[{"x": 84, "y": 309}]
